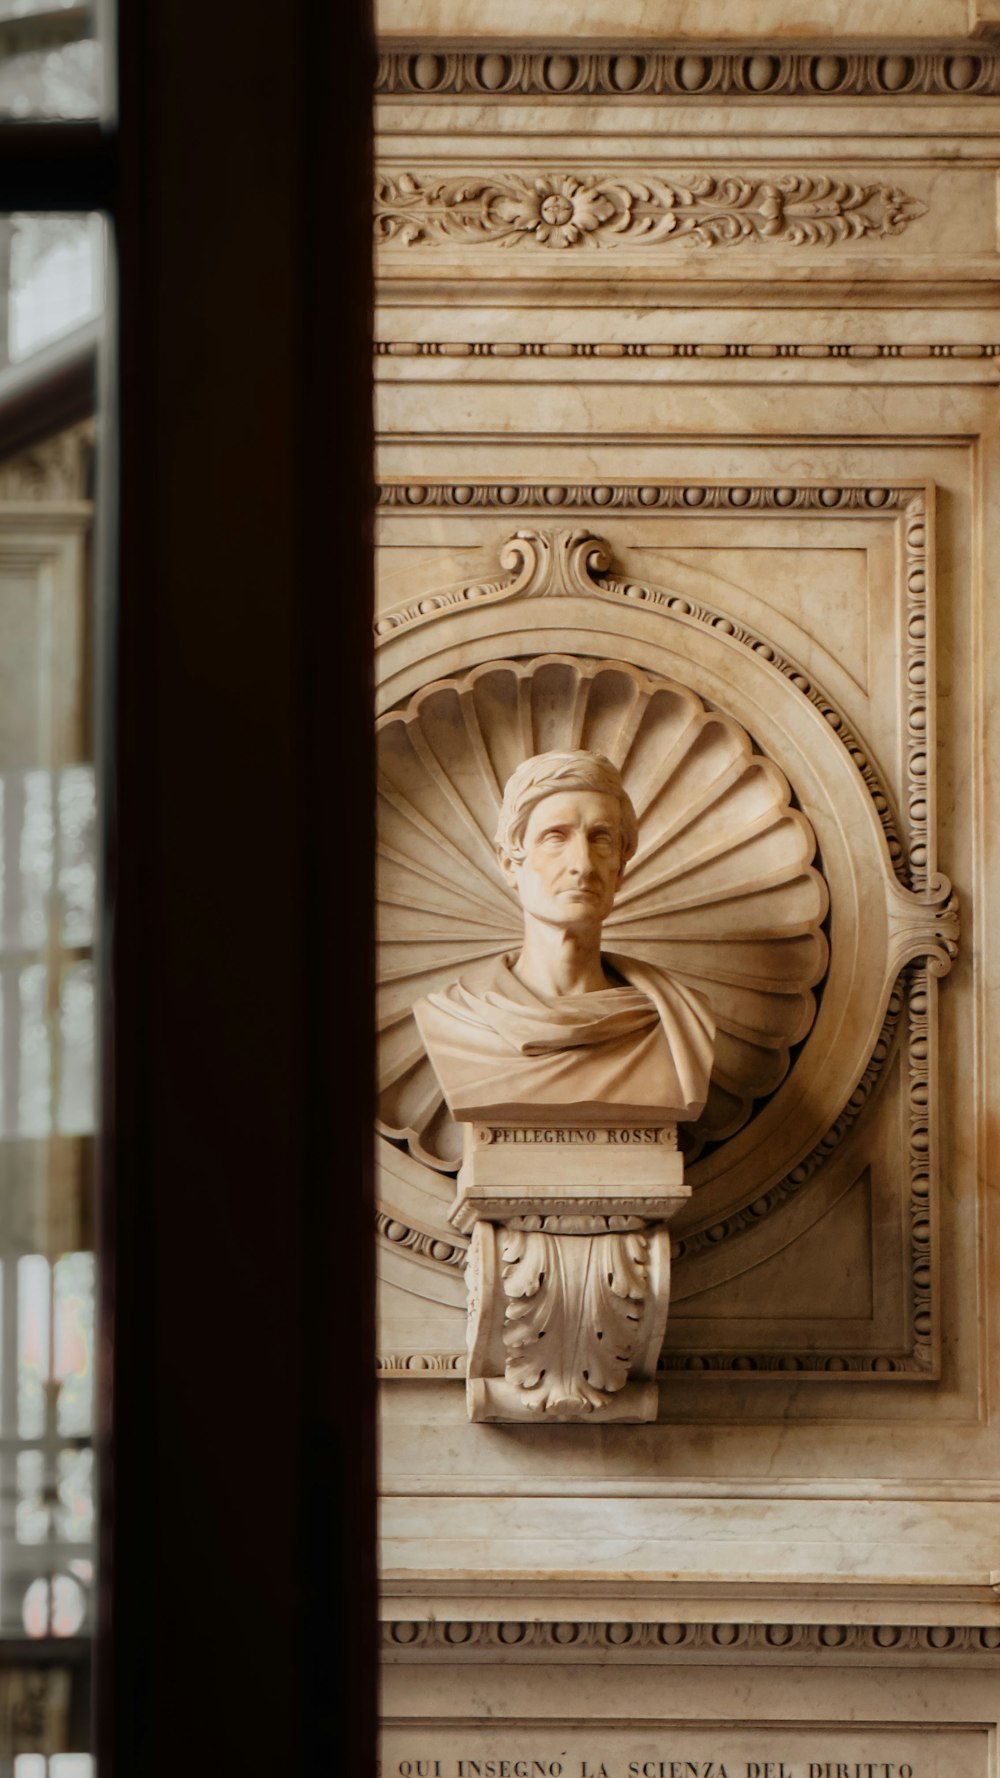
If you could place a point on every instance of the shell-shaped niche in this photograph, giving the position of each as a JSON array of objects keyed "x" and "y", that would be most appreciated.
[{"x": 722, "y": 892}]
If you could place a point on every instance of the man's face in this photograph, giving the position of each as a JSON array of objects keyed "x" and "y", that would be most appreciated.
[{"x": 572, "y": 863}]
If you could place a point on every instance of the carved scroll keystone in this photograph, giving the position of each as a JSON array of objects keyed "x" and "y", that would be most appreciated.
[
  {"x": 569, "y": 1268},
  {"x": 536, "y": 565}
]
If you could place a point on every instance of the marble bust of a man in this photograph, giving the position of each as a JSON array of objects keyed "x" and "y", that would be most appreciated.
[{"x": 562, "y": 1029}]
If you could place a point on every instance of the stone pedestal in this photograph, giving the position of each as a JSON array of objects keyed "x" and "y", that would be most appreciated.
[{"x": 569, "y": 1267}]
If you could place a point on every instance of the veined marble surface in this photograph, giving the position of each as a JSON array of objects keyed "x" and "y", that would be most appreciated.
[{"x": 786, "y": 449}]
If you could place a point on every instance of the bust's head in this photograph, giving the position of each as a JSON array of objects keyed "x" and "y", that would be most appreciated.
[{"x": 566, "y": 831}]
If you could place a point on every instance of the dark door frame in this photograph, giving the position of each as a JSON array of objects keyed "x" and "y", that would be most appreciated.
[{"x": 236, "y": 1449}]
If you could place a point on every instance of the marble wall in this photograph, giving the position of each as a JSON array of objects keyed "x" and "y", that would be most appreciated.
[{"x": 726, "y": 308}]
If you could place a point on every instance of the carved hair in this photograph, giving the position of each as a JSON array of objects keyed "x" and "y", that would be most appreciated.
[{"x": 546, "y": 774}]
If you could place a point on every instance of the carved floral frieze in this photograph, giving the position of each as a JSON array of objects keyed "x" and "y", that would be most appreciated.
[{"x": 563, "y": 209}]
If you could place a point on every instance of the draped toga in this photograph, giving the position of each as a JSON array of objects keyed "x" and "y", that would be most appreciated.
[{"x": 639, "y": 1051}]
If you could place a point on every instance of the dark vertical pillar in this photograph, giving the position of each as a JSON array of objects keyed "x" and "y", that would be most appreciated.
[
  {"x": 336, "y": 497},
  {"x": 236, "y": 1535}
]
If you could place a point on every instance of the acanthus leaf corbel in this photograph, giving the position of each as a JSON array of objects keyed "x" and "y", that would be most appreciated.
[{"x": 574, "y": 1313}]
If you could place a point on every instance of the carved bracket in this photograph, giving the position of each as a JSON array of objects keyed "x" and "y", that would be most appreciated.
[
  {"x": 923, "y": 924},
  {"x": 569, "y": 1283}
]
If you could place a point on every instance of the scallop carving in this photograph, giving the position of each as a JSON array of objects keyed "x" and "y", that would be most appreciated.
[{"x": 722, "y": 892}]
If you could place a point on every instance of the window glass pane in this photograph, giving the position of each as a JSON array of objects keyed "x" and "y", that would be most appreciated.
[
  {"x": 51, "y": 290},
  {"x": 61, "y": 1765},
  {"x": 54, "y": 276},
  {"x": 50, "y": 64}
]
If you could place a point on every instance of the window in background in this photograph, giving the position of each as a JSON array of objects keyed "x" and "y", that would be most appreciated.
[
  {"x": 50, "y": 64},
  {"x": 53, "y": 282},
  {"x": 55, "y": 278},
  {"x": 61, "y": 1765}
]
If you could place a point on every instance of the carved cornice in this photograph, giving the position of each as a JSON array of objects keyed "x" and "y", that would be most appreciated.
[
  {"x": 689, "y": 73},
  {"x": 830, "y": 1641},
  {"x": 743, "y": 497},
  {"x": 709, "y": 349},
  {"x": 558, "y": 209}
]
